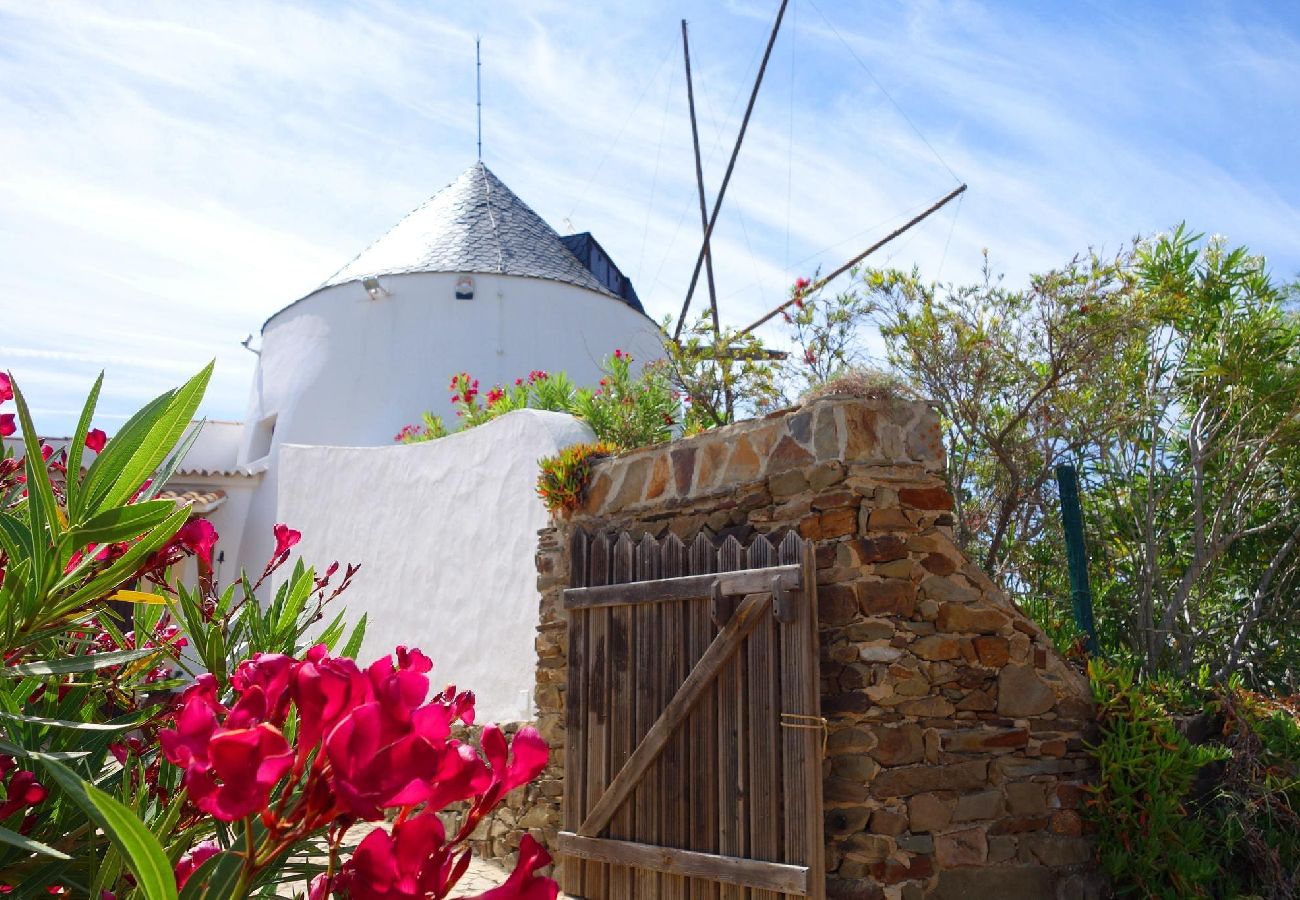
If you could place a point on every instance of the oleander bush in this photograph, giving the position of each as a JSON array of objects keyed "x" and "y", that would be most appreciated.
[
  {"x": 161, "y": 739},
  {"x": 629, "y": 408}
]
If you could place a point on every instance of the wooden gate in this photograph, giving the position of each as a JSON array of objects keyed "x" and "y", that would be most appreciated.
[{"x": 694, "y": 744}]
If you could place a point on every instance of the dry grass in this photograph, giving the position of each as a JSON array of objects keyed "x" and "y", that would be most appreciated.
[{"x": 866, "y": 384}]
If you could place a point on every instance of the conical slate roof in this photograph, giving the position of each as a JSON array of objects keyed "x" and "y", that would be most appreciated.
[{"x": 475, "y": 224}]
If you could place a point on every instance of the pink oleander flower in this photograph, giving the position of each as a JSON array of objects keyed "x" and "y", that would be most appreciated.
[
  {"x": 6, "y": 388},
  {"x": 411, "y": 862},
  {"x": 96, "y": 439},
  {"x": 495, "y": 394},
  {"x": 198, "y": 855},
  {"x": 199, "y": 537},
  {"x": 524, "y": 883},
  {"x": 7, "y": 426},
  {"x": 285, "y": 538}
]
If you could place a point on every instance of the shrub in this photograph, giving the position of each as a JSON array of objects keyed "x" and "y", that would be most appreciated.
[
  {"x": 627, "y": 410},
  {"x": 1151, "y": 844},
  {"x": 562, "y": 482},
  {"x": 114, "y": 787}
]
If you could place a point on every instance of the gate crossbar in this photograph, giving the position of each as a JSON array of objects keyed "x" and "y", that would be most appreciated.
[{"x": 690, "y": 587}]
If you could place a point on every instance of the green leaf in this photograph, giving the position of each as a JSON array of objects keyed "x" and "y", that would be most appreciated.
[
  {"x": 141, "y": 850},
  {"x": 25, "y": 843},
  {"x": 353, "y": 646},
  {"x": 42, "y": 508},
  {"x": 159, "y": 441},
  {"x": 73, "y": 664},
  {"x": 79, "y": 442},
  {"x": 118, "y": 725},
  {"x": 216, "y": 879},
  {"x": 121, "y": 523}
]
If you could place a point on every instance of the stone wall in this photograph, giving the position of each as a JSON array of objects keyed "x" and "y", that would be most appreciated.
[{"x": 955, "y": 754}]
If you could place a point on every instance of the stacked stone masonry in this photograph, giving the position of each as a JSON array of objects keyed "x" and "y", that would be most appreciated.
[{"x": 956, "y": 758}]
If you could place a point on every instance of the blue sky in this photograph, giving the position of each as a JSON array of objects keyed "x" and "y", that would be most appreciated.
[{"x": 172, "y": 174}]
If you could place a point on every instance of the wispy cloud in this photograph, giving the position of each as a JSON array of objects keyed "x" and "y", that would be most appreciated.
[{"x": 170, "y": 176}]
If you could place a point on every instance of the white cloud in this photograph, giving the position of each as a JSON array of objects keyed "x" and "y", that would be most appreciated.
[{"x": 171, "y": 175}]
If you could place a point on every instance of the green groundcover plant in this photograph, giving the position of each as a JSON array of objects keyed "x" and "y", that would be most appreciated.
[
  {"x": 160, "y": 740},
  {"x": 1198, "y": 788}
]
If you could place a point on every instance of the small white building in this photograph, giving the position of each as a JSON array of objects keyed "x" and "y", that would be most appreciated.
[{"x": 472, "y": 281}]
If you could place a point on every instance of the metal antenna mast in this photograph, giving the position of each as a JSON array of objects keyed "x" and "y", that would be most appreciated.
[
  {"x": 699, "y": 181},
  {"x": 478, "y": 92}
]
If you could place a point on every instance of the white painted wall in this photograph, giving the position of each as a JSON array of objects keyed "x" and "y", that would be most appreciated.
[
  {"x": 340, "y": 369},
  {"x": 446, "y": 532},
  {"x": 216, "y": 448}
]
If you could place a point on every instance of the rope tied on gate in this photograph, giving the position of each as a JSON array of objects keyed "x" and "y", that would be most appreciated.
[{"x": 811, "y": 723}]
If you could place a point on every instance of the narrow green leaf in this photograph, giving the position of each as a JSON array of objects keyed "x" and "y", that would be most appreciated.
[
  {"x": 121, "y": 523},
  {"x": 353, "y": 646},
  {"x": 143, "y": 853},
  {"x": 79, "y": 443},
  {"x": 23, "y": 842},
  {"x": 42, "y": 508},
  {"x": 108, "y": 465},
  {"x": 160, "y": 440},
  {"x": 118, "y": 725},
  {"x": 72, "y": 664}
]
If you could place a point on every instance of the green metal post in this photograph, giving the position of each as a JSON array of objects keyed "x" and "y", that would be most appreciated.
[{"x": 1067, "y": 481}]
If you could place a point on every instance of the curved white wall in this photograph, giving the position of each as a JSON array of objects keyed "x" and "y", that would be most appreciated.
[
  {"x": 446, "y": 533},
  {"x": 341, "y": 369}
]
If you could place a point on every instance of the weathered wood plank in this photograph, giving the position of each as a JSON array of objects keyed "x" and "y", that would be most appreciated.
[
  {"x": 802, "y": 744},
  {"x": 720, "y": 652},
  {"x": 575, "y": 715},
  {"x": 703, "y": 731},
  {"x": 674, "y": 640},
  {"x": 596, "y": 874},
  {"x": 763, "y": 734},
  {"x": 730, "y": 870},
  {"x": 648, "y": 652},
  {"x": 732, "y": 806},
  {"x": 690, "y": 587},
  {"x": 622, "y": 706}
]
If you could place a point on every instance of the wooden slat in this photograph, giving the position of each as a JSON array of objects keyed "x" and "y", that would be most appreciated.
[
  {"x": 763, "y": 734},
  {"x": 595, "y": 874},
  {"x": 702, "y": 727},
  {"x": 730, "y": 870},
  {"x": 732, "y": 833},
  {"x": 690, "y": 587},
  {"x": 646, "y": 652},
  {"x": 622, "y": 707},
  {"x": 575, "y": 715},
  {"x": 720, "y": 652},
  {"x": 801, "y": 746},
  {"x": 674, "y": 640}
]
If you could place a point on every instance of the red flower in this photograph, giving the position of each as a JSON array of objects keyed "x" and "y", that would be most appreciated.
[
  {"x": 325, "y": 689},
  {"x": 198, "y": 855},
  {"x": 285, "y": 538},
  {"x": 618, "y": 354},
  {"x": 198, "y": 537},
  {"x": 249, "y": 762},
  {"x": 6, "y": 388},
  {"x": 527, "y": 757},
  {"x": 412, "y": 862},
  {"x": 270, "y": 673},
  {"x": 95, "y": 440},
  {"x": 494, "y": 395},
  {"x": 7, "y": 426},
  {"x": 187, "y": 743},
  {"x": 22, "y": 791},
  {"x": 524, "y": 883}
]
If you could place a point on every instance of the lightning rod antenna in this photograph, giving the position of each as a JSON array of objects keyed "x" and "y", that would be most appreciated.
[{"x": 478, "y": 92}]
